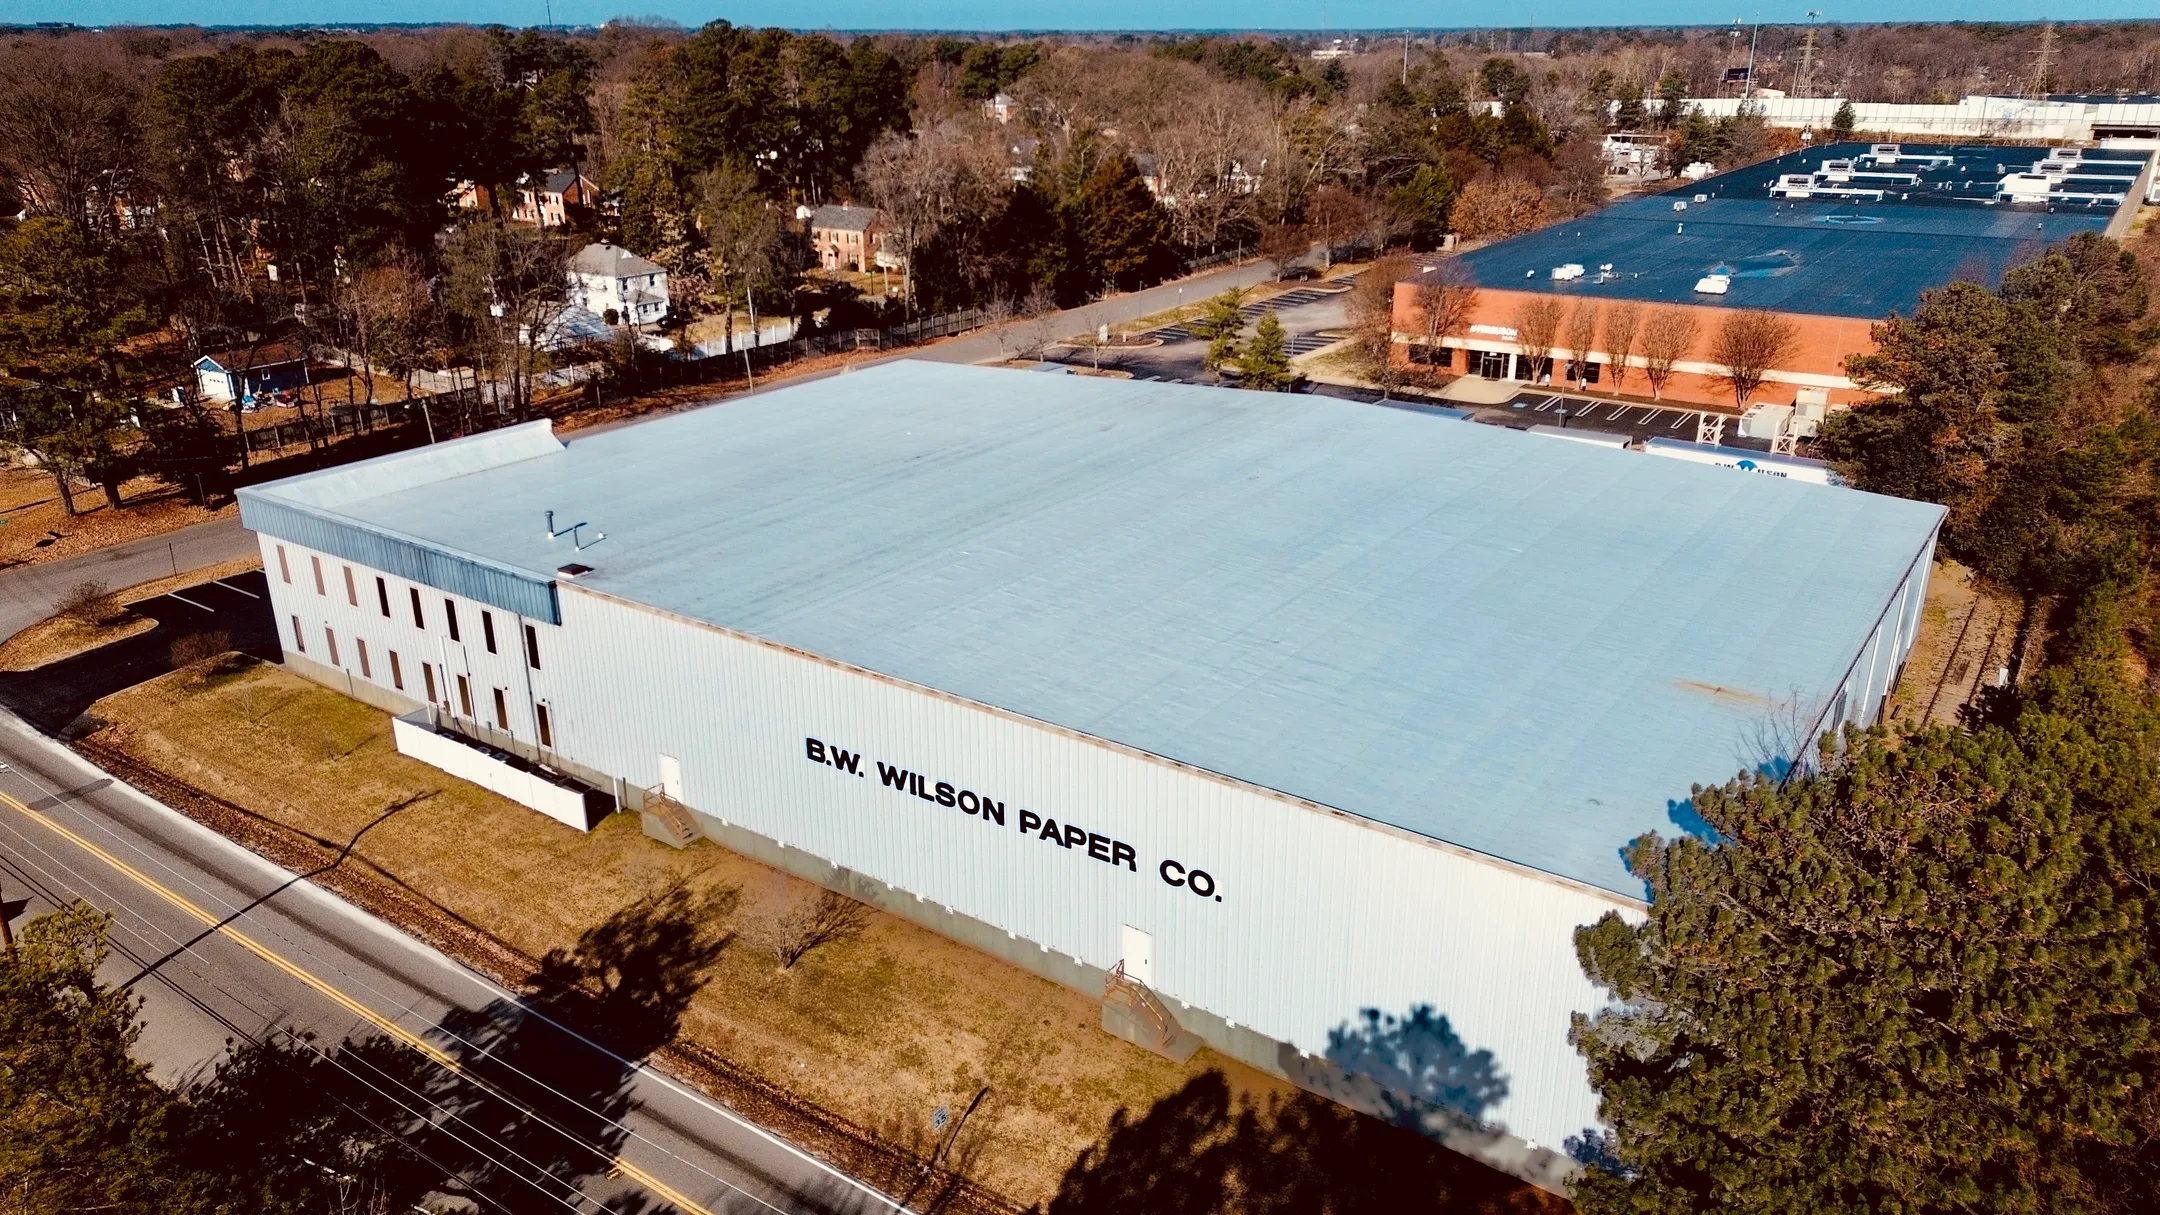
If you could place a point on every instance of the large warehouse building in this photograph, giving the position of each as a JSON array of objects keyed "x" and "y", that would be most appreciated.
[
  {"x": 1287, "y": 716},
  {"x": 1833, "y": 239}
]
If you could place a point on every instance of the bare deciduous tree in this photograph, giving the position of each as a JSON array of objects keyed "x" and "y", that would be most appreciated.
[
  {"x": 1623, "y": 322},
  {"x": 1372, "y": 319},
  {"x": 799, "y": 921},
  {"x": 1582, "y": 331},
  {"x": 1282, "y": 244},
  {"x": 510, "y": 284},
  {"x": 1748, "y": 345},
  {"x": 1668, "y": 335},
  {"x": 1446, "y": 300},
  {"x": 1537, "y": 331}
]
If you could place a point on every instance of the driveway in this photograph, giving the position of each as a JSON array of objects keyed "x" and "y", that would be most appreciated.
[{"x": 30, "y": 593}]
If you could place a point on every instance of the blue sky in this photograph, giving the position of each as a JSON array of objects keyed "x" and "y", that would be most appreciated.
[{"x": 1058, "y": 14}]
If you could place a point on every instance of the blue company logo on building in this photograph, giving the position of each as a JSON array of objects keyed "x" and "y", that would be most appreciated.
[{"x": 1747, "y": 466}]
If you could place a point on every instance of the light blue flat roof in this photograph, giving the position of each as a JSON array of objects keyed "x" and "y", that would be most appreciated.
[{"x": 1526, "y": 648}]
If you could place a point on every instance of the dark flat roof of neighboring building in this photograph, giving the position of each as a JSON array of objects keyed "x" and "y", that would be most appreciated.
[{"x": 1835, "y": 257}]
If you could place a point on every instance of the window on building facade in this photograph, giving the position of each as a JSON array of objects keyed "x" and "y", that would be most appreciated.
[
  {"x": 502, "y": 711},
  {"x": 330, "y": 636},
  {"x": 397, "y": 672},
  {"x": 449, "y": 608},
  {"x": 532, "y": 647},
  {"x": 487, "y": 629},
  {"x": 382, "y": 597},
  {"x": 283, "y": 568},
  {"x": 419, "y": 621},
  {"x": 316, "y": 562},
  {"x": 352, "y": 593},
  {"x": 547, "y": 731},
  {"x": 427, "y": 676},
  {"x": 360, "y": 645},
  {"x": 464, "y": 695},
  {"x": 299, "y": 639}
]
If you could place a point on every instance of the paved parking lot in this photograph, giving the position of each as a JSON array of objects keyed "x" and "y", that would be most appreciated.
[
  {"x": 1539, "y": 407},
  {"x": 55, "y": 694}
]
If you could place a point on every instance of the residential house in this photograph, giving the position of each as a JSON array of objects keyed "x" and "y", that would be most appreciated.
[
  {"x": 547, "y": 204},
  {"x": 249, "y": 372},
  {"x": 846, "y": 238},
  {"x": 1001, "y": 108},
  {"x": 617, "y": 285}
]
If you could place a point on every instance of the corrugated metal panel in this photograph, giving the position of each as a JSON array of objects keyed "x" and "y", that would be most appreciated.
[
  {"x": 486, "y": 582},
  {"x": 428, "y": 642},
  {"x": 1314, "y": 917}
]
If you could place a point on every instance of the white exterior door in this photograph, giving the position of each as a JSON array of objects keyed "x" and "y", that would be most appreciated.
[
  {"x": 1139, "y": 955},
  {"x": 671, "y": 777}
]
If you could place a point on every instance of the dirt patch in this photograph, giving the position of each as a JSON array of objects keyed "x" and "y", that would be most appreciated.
[
  {"x": 35, "y": 527},
  {"x": 1964, "y": 641},
  {"x": 847, "y": 1052}
]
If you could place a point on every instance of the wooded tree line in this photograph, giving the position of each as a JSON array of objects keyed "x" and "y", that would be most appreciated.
[{"x": 1925, "y": 975}]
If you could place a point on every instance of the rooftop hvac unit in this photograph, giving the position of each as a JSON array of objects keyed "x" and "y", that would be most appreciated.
[
  {"x": 1713, "y": 284},
  {"x": 1567, "y": 273},
  {"x": 1679, "y": 205}
]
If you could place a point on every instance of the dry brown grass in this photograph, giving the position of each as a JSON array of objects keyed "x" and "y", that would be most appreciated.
[
  {"x": 63, "y": 637},
  {"x": 1965, "y": 634},
  {"x": 881, "y": 1028}
]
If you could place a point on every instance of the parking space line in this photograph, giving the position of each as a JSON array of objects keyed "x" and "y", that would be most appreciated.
[
  {"x": 234, "y": 589},
  {"x": 1649, "y": 416},
  {"x": 1682, "y": 421},
  {"x": 191, "y": 603}
]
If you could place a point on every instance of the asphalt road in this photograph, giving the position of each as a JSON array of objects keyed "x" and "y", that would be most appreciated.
[
  {"x": 30, "y": 593},
  {"x": 565, "y": 1123}
]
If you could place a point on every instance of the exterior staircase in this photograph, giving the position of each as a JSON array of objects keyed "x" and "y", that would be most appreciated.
[
  {"x": 1132, "y": 1012},
  {"x": 668, "y": 820}
]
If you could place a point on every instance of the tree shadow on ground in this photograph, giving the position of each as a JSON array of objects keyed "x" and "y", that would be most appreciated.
[
  {"x": 1202, "y": 1151},
  {"x": 520, "y": 1111},
  {"x": 535, "y": 1107}
]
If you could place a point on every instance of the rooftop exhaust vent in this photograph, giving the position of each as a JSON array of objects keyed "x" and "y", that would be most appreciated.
[{"x": 574, "y": 569}]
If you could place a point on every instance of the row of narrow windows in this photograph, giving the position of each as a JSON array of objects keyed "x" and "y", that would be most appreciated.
[
  {"x": 462, "y": 683},
  {"x": 419, "y": 615}
]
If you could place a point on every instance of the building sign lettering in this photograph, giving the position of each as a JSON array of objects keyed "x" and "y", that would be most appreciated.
[{"x": 990, "y": 810}]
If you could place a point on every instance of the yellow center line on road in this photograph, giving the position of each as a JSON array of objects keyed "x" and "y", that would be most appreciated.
[{"x": 617, "y": 1165}]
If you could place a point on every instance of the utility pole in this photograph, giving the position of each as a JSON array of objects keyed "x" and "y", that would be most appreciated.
[
  {"x": 1807, "y": 55},
  {"x": 2043, "y": 62},
  {"x": 1747, "y": 87},
  {"x": 1406, "y": 58}
]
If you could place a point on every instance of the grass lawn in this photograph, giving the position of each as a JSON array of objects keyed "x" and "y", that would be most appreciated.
[{"x": 880, "y": 1030}]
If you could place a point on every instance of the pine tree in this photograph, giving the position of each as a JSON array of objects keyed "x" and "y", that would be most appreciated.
[
  {"x": 1219, "y": 326},
  {"x": 1842, "y": 122},
  {"x": 1924, "y": 980},
  {"x": 1265, "y": 364}
]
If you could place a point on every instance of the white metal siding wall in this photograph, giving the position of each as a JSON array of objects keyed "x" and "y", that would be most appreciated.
[
  {"x": 1319, "y": 918},
  {"x": 506, "y": 668}
]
